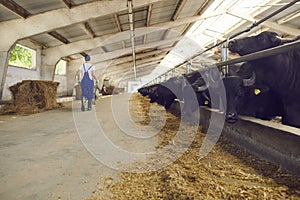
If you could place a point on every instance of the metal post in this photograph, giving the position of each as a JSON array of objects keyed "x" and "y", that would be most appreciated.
[
  {"x": 188, "y": 67},
  {"x": 132, "y": 35}
]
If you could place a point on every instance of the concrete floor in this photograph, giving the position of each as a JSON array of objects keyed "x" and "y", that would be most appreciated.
[{"x": 43, "y": 157}]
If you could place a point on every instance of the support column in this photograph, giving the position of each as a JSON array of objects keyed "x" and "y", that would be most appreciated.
[
  {"x": 48, "y": 66},
  {"x": 4, "y": 55},
  {"x": 72, "y": 68}
]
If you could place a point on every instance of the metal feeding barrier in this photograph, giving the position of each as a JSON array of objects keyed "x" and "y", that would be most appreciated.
[{"x": 253, "y": 56}]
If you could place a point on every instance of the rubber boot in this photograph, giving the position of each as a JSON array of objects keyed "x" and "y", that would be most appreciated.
[
  {"x": 89, "y": 104},
  {"x": 82, "y": 104}
]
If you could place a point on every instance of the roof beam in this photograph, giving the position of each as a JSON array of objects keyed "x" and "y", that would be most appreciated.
[
  {"x": 87, "y": 29},
  {"x": 118, "y": 53},
  {"x": 75, "y": 47},
  {"x": 131, "y": 77},
  {"x": 272, "y": 25},
  {"x": 43, "y": 46},
  {"x": 13, "y": 30},
  {"x": 117, "y": 21},
  {"x": 138, "y": 62},
  {"x": 149, "y": 13},
  {"x": 139, "y": 56},
  {"x": 68, "y": 3},
  {"x": 128, "y": 71},
  {"x": 178, "y": 9},
  {"x": 16, "y": 8},
  {"x": 59, "y": 37}
]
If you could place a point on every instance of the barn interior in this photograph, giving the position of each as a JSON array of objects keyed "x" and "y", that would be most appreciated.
[{"x": 132, "y": 43}]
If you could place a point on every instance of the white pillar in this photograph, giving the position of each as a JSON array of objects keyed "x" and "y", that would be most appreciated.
[{"x": 4, "y": 55}]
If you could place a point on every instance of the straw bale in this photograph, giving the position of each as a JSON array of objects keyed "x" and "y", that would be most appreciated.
[{"x": 32, "y": 96}]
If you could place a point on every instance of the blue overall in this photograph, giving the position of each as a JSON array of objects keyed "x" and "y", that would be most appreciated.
[{"x": 87, "y": 87}]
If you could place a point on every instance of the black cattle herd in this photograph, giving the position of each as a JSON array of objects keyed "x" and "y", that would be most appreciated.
[{"x": 262, "y": 88}]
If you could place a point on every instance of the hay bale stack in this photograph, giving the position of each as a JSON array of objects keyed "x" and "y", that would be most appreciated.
[{"x": 32, "y": 96}]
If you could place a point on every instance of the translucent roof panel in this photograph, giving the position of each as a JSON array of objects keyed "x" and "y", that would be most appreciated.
[{"x": 208, "y": 31}]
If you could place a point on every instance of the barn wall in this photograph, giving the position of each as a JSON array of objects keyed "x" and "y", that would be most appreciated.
[
  {"x": 15, "y": 75},
  {"x": 62, "y": 87}
]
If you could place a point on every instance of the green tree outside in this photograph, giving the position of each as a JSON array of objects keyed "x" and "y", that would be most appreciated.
[{"x": 20, "y": 57}]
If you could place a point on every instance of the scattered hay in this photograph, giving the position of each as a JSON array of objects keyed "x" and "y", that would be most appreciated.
[
  {"x": 227, "y": 172},
  {"x": 32, "y": 96}
]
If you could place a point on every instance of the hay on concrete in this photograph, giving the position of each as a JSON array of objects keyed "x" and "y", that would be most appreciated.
[{"x": 32, "y": 96}]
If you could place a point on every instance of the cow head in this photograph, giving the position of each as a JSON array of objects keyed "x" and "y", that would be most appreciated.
[
  {"x": 236, "y": 90},
  {"x": 262, "y": 41}
]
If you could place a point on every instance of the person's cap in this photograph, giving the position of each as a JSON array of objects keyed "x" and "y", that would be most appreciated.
[{"x": 87, "y": 57}]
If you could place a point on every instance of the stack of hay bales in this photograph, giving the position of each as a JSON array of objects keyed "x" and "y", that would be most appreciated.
[{"x": 32, "y": 96}]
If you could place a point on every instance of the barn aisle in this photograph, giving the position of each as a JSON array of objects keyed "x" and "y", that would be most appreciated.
[{"x": 43, "y": 157}]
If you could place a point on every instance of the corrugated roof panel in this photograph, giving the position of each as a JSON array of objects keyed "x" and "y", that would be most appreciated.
[
  {"x": 103, "y": 25},
  {"x": 6, "y": 14},
  {"x": 38, "y": 6},
  {"x": 73, "y": 33},
  {"x": 163, "y": 11},
  {"x": 190, "y": 8},
  {"x": 284, "y": 14},
  {"x": 46, "y": 40},
  {"x": 140, "y": 13}
]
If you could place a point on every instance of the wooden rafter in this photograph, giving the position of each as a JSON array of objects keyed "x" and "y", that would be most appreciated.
[
  {"x": 83, "y": 54},
  {"x": 149, "y": 12},
  {"x": 16, "y": 8},
  {"x": 178, "y": 9},
  {"x": 68, "y": 3},
  {"x": 59, "y": 37},
  {"x": 87, "y": 28},
  {"x": 38, "y": 43},
  {"x": 117, "y": 21}
]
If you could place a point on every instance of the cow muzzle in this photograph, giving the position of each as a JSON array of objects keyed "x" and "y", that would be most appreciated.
[{"x": 231, "y": 117}]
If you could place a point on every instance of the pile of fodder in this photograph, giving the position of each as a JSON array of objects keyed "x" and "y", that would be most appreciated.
[
  {"x": 32, "y": 96},
  {"x": 107, "y": 90},
  {"x": 227, "y": 172}
]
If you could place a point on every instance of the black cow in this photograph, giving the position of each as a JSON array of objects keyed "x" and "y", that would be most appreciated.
[
  {"x": 243, "y": 98},
  {"x": 281, "y": 72},
  {"x": 164, "y": 93}
]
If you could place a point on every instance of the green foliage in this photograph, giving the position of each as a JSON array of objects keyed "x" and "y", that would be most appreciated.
[{"x": 21, "y": 57}]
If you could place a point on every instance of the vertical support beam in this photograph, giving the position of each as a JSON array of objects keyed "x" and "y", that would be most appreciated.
[
  {"x": 4, "y": 55},
  {"x": 131, "y": 25},
  {"x": 149, "y": 12}
]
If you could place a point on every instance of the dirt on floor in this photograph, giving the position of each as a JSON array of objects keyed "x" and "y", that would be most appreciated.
[{"x": 227, "y": 172}]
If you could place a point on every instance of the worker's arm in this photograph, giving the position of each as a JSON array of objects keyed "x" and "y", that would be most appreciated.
[{"x": 94, "y": 75}]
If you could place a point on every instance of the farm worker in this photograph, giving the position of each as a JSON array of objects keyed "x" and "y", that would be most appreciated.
[{"x": 86, "y": 73}]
